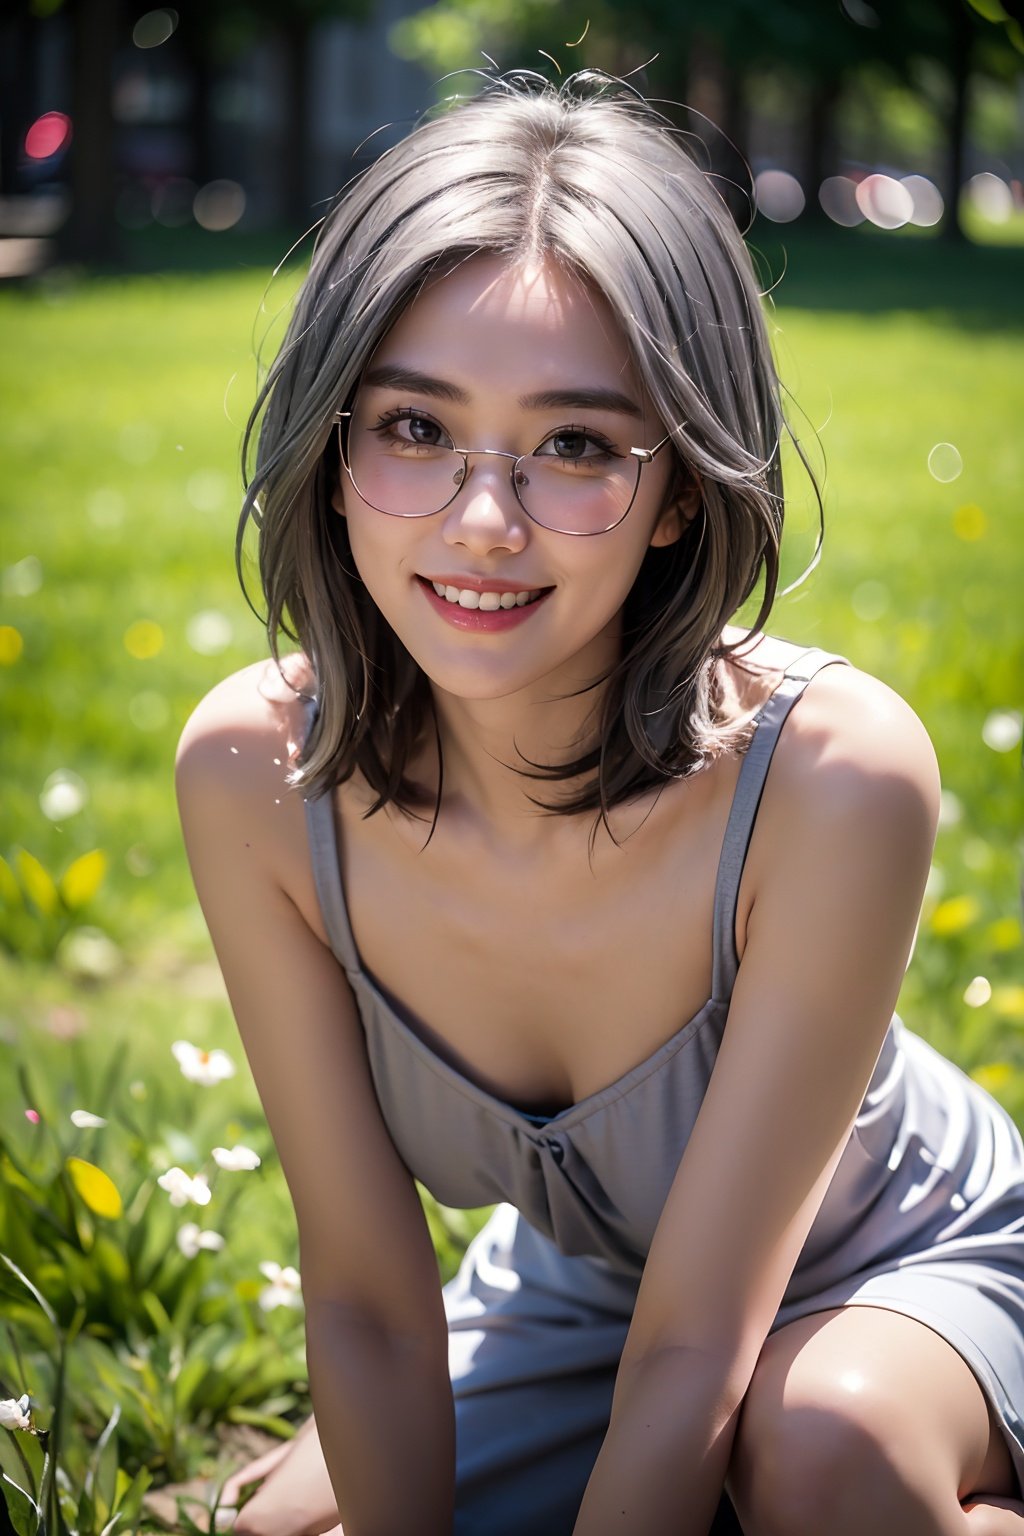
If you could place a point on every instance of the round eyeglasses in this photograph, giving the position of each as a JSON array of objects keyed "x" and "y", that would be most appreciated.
[{"x": 405, "y": 475}]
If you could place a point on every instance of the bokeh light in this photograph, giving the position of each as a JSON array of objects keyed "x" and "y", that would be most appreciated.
[
  {"x": 978, "y": 992},
  {"x": 1002, "y": 729},
  {"x": 991, "y": 197},
  {"x": 838, "y": 198},
  {"x": 884, "y": 201},
  {"x": 11, "y": 645},
  {"x": 969, "y": 523},
  {"x": 206, "y": 490},
  {"x": 105, "y": 508},
  {"x": 870, "y": 600},
  {"x": 219, "y": 205},
  {"x": 63, "y": 795},
  {"x": 23, "y": 577},
  {"x": 47, "y": 135},
  {"x": 154, "y": 28},
  {"x": 209, "y": 632},
  {"x": 928, "y": 206},
  {"x": 137, "y": 442},
  {"x": 860, "y": 13},
  {"x": 779, "y": 196},
  {"x": 172, "y": 202},
  {"x": 149, "y": 710},
  {"x": 945, "y": 463},
  {"x": 143, "y": 639}
]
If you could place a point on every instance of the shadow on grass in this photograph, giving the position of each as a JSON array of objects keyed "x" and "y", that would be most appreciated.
[
  {"x": 868, "y": 271},
  {"x": 807, "y": 266}
]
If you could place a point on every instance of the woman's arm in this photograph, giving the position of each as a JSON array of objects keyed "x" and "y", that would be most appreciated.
[
  {"x": 375, "y": 1327},
  {"x": 848, "y": 821}
]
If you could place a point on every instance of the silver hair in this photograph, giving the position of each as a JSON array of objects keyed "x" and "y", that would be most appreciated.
[{"x": 588, "y": 174}]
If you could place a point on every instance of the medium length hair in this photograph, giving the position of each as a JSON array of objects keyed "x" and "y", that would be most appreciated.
[{"x": 587, "y": 174}]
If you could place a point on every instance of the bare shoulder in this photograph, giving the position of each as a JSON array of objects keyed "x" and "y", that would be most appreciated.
[
  {"x": 244, "y": 731},
  {"x": 852, "y": 745}
]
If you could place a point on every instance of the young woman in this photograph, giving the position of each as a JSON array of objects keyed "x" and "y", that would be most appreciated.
[{"x": 508, "y": 901}]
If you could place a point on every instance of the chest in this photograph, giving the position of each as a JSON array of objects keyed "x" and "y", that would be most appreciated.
[{"x": 543, "y": 977}]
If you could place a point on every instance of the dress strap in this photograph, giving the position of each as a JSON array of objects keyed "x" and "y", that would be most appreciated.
[
  {"x": 324, "y": 852},
  {"x": 769, "y": 721}
]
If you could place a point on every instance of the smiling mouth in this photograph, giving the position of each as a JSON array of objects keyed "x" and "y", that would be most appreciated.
[{"x": 488, "y": 602}]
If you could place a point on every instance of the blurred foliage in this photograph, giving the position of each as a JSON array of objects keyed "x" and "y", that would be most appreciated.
[{"x": 815, "y": 43}]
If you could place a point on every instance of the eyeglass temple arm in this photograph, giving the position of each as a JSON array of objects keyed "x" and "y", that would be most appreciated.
[{"x": 645, "y": 455}]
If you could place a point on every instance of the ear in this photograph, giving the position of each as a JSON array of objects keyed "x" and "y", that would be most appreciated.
[
  {"x": 338, "y": 498},
  {"x": 678, "y": 515}
]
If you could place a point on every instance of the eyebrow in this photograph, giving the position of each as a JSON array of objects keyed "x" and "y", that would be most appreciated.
[{"x": 395, "y": 376}]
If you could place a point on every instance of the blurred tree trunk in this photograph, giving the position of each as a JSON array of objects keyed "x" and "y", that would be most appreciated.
[
  {"x": 198, "y": 57},
  {"x": 717, "y": 102},
  {"x": 962, "y": 39},
  {"x": 819, "y": 150},
  {"x": 297, "y": 146},
  {"x": 90, "y": 233},
  {"x": 17, "y": 69}
]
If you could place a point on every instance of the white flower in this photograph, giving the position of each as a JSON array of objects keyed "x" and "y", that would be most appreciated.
[
  {"x": 200, "y": 1066},
  {"x": 63, "y": 795},
  {"x": 951, "y": 809},
  {"x": 235, "y": 1158},
  {"x": 14, "y": 1412},
  {"x": 191, "y": 1239},
  {"x": 283, "y": 1290},
  {"x": 1002, "y": 729},
  {"x": 978, "y": 992},
  {"x": 182, "y": 1188},
  {"x": 84, "y": 1120}
]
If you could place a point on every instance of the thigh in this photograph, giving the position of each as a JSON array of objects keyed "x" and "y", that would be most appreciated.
[{"x": 865, "y": 1386}]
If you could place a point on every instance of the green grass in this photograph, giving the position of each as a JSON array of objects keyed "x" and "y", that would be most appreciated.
[{"x": 123, "y": 400}]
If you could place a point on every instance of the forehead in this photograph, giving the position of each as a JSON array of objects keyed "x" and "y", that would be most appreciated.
[{"x": 526, "y": 325}]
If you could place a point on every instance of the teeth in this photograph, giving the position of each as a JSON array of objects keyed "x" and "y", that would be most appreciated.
[{"x": 488, "y": 601}]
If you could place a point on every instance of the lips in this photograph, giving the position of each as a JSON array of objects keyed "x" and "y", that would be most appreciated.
[
  {"x": 486, "y": 602},
  {"x": 496, "y": 607}
]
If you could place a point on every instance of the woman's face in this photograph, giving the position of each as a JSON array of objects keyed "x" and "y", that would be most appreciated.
[{"x": 512, "y": 358}]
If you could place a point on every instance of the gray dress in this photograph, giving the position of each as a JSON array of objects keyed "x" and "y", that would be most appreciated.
[{"x": 924, "y": 1214}]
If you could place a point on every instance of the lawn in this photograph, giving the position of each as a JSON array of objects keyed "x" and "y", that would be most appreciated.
[{"x": 122, "y": 403}]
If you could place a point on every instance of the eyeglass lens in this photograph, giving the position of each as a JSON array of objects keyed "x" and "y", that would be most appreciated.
[{"x": 581, "y": 494}]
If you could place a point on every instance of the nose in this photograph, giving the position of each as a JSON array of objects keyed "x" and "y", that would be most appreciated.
[{"x": 486, "y": 514}]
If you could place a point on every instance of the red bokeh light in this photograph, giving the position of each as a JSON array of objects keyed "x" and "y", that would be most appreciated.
[{"x": 47, "y": 135}]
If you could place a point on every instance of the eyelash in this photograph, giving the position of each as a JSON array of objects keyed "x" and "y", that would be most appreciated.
[{"x": 408, "y": 413}]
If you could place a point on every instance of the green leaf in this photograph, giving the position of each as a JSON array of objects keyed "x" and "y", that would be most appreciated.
[
  {"x": 27, "y": 1283},
  {"x": 155, "y": 1310},
  {"x": 24, "y": 1520},
  {"x": 37, "y": 883},
  {"x": 111, "y": 1263},
  {"x": 130, "y": 1494},
  {"x": 239, "y": 1414},
  {"x": 10, "y": 890},
  {"x": 101, "y": 1463},
  {"x": 190, "y": 1378},
  {"x": 81, "y": 880}
]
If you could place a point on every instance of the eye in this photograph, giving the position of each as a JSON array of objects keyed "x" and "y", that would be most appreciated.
[
  {"x": 574, "y": 445},
  {"x": 409, "y": 426}
]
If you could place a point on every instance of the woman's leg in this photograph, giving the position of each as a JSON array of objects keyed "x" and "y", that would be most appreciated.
[{"x": 863, "y": 1419}]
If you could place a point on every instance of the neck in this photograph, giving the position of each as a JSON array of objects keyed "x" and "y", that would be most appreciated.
[{"x": 489, "y": 745}]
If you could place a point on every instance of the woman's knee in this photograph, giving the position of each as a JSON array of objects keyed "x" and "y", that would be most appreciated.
[{"x": 808, "y": 1461}]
